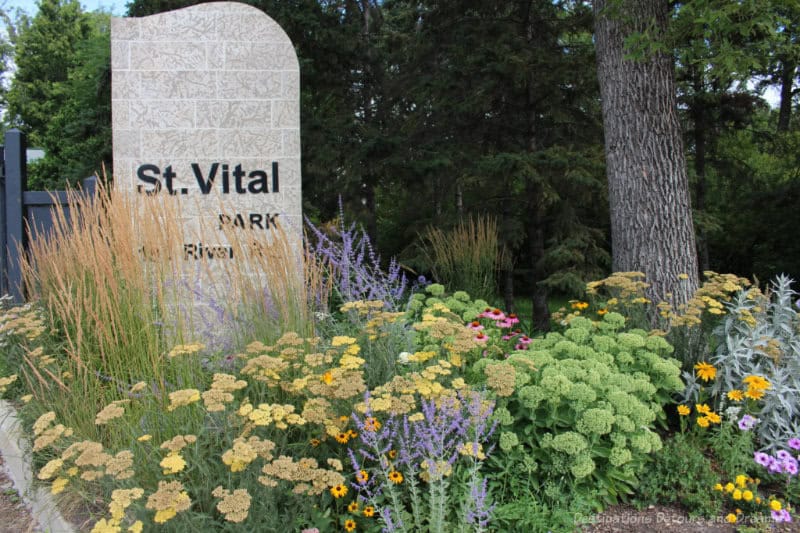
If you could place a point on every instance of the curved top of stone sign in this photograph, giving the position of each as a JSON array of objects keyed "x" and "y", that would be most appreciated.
[{"x": 215, "y": 22}]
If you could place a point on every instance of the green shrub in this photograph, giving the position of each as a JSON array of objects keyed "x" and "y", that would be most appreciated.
[{"x": 680, "y": 473}]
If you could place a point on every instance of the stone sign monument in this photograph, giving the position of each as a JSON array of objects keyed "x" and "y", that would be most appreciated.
[
  {"x": 206, "y": 110},
  {"x": 206, "y": 104}
]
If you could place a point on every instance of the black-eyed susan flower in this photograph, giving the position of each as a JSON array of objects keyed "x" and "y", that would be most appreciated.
[
  {"x": 342, "y": 438},
  {"x": 395, "y": 477},
  {"x": 392, "y": 454},
  {"x": 371, "y": 424},
  {"x": 683, "y": 410},
  {"x": 314, "y": 443},
  {"x": 349, "y": 525},
  {"x": 338, "y": 491},
  {"x": 352, "y": 434},
  {"x": 353, "y": 507},
  {"x": 369, "y": 511},
  {"x": 362, "y": 476}
]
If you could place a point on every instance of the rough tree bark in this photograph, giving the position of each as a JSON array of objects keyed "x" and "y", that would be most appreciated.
[{"x": 651, "y": 216}]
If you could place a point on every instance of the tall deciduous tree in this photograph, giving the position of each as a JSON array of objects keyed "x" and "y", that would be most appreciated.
[{"x": 651, "y": 217}]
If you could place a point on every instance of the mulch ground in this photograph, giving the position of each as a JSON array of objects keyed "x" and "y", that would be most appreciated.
[{"x": 15, "y": 517}]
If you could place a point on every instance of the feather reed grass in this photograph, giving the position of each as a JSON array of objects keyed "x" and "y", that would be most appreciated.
[
  {"x": 114, "y": 279},
  {"x": 466, "y": 257}
]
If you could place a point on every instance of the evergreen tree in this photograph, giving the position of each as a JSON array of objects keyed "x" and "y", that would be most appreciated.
[{"x": 44, "y": 54}]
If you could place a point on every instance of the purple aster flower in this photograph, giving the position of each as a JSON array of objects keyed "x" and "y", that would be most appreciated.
[
  {"x": 762, "y": 458},
  {"x": 794, "y": 443}
]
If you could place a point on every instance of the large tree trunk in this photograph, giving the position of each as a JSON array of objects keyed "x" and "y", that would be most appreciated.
[
  {"x": 651, "y": 215},
  {"x": 788, "y": 69},
  {"x": 699, "y": 117}
]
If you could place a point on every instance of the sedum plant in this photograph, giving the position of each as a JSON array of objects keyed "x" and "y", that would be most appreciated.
[{"x": 583, "y": 405}]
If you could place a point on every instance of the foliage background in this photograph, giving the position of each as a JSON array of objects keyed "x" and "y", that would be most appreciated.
[{"x": 420, "y": 114}]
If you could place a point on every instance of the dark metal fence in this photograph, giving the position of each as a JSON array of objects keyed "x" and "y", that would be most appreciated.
[{"x": 24, "y": 215}]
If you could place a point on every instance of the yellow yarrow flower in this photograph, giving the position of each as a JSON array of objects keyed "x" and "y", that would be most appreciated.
[
  {"x": 341, "y": 340},
  {"x": 183, "y": 397},
  {"x": 172, "y": 463},
  {"x": 58, "y": 485}
]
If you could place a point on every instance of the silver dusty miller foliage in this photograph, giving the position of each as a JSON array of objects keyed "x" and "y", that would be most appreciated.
[{"x": 760, "y": 335}]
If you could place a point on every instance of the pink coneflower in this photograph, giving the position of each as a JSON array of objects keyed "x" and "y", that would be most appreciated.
[
  {"x": 509, "y": 336},
  {"x": 475, "y": 325},
  {"x": 494, "y": 314},
  {"x": 525, "y": 340},
  {"x": 512, "y": 318},
  {"x": 503, "y": 324},
  {"x": 480, "y": 337}
]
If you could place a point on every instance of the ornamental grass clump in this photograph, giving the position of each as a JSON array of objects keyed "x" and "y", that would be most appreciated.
[{"x": 467, "y": 257}]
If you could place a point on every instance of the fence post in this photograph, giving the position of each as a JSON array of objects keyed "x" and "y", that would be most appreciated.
[
  {"x": 90, "y": 187},
  {"x": 16, "y": 182},
  {"x": 3, "y": 251}
]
